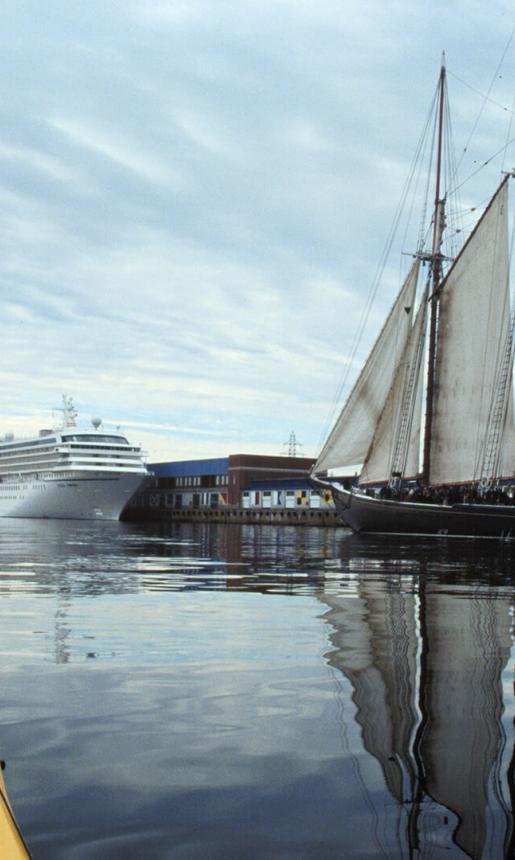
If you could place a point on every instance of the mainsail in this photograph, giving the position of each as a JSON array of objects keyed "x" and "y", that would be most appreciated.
[
  {"x": 473, "y": 325},
  {"x": 354, "y": 430}
]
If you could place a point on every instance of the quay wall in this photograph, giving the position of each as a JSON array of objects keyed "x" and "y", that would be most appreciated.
[{"x": 296, "y": 517}]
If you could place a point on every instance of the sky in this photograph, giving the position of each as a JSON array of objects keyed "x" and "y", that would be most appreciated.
[{"x": 196, "y": 195}]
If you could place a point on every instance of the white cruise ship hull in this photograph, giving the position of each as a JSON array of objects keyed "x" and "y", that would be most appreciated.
[{"x": 85, "y": 496}]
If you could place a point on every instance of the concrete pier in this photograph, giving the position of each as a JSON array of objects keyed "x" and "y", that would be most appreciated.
[{"x": 296, "y": 517}]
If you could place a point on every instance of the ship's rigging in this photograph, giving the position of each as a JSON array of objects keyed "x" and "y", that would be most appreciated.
[
  {"x": 400, "y": 404},
  {"x": 432, "y": 410}
]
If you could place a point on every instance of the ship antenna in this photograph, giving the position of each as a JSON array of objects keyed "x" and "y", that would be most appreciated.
[
  {"x": 69, "y": 412},
  {"x": 436, "y": 278}
]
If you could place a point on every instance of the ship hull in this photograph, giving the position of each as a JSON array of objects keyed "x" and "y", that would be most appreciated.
[
  {"x": 86, "y": 496},
  {"x": 367, "y": 514}
]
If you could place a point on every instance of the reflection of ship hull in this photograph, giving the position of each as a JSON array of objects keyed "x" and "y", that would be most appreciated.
[
  {"x": 82, "y": 496},
  {"x": 367, "y": 514}
]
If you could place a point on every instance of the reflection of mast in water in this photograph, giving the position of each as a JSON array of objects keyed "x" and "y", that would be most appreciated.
[{"x": 425, "y": 671}]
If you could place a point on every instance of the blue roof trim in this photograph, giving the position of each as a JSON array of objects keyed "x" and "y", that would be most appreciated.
[{"x": 184, "y": 468}]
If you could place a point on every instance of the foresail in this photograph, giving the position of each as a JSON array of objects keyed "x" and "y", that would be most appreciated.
[
  {"x": 354, "y": 430},
  {"x": 473, "y": 322},
  {"x": 396, "y": 443}
]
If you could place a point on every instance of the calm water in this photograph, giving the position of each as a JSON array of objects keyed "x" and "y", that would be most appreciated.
[{"x": 208, "y": 691}]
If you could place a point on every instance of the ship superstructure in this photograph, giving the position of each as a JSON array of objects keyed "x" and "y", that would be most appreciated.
[{"x": 69, "y": 472}]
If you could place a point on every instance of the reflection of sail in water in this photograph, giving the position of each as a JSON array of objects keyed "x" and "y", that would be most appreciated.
[
  {"x": 467, "y": 647},
  {"x": 425, "y": 669},
  {"x": 376, "y": 647}
]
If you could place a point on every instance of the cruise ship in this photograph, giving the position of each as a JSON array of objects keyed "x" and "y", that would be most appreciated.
[{"x": 69, "y": 473}]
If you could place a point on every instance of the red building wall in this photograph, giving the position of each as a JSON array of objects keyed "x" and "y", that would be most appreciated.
[{"x": 243, "y": 468}]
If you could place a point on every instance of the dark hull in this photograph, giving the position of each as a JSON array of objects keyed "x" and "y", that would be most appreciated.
[{"x": 366, "y": 514}]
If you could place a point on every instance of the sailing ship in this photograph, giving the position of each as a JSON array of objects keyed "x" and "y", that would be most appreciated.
[{"x": 429, "y": 421}]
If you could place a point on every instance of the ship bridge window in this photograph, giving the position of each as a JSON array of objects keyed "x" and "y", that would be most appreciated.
[
  {"x": 109, "y": 449},
  {"x": 89, "y": 437}
]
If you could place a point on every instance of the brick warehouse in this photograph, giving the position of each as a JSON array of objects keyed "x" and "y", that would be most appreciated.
[{"x": 218, "y": 484}]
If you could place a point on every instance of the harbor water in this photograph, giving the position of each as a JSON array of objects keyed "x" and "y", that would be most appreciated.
[{"x": 200, "y": 690}]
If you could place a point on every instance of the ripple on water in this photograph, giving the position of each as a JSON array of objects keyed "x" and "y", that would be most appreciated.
[{"x": 195, "y": 690}]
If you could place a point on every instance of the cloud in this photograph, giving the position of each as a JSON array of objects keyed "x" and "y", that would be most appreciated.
[
  {"x": 195, "y": 197},
  {"x": 117, "y": 149}
]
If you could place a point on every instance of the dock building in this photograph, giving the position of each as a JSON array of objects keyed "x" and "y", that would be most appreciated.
[{"x": 240, "y": 486}]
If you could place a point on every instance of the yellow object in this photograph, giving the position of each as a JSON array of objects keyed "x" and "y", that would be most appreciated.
[{"x": 12, "y": 844}]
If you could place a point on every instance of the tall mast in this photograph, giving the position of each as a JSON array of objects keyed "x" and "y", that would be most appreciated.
[{"x": 436, "y": 278}]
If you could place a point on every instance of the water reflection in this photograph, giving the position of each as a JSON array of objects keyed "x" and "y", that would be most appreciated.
[
  {"x": 90, "y": 559},
  {"x": 399, "y": 651},
  {"x": 426, "y": 666}
]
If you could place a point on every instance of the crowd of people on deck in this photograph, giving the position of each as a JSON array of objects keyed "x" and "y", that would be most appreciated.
[{"x": 448, "y": 495}]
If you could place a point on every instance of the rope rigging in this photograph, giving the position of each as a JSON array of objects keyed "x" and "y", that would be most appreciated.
[
  {"x": 413, "y": 173},
  {"x": 451, "y": 235}
]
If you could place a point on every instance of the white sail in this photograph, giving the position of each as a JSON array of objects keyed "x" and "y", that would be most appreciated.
[
  {"x": 507, "y": 452},
  {"x": 473, "y": 319},
  {"x": 353, "y": 432},
  {"x": 396, "y": 442},
  {"x": 413, "y": 465}
]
